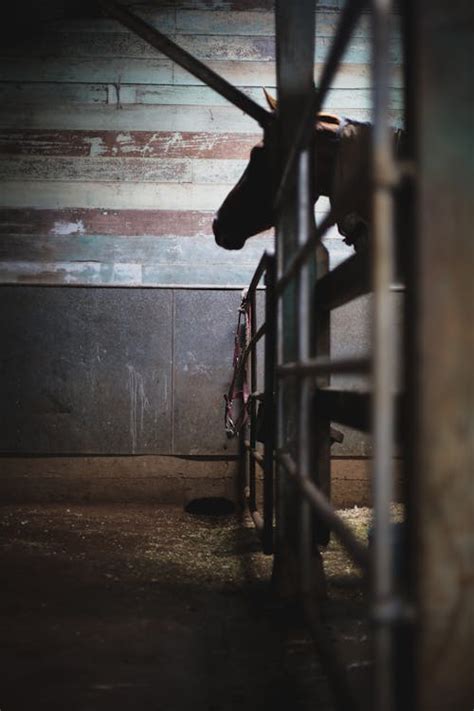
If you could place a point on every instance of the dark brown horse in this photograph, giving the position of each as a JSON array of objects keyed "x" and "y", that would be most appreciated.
[{"x": 342, "y": 158}]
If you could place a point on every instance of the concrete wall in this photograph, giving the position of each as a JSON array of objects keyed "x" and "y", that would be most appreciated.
[{"x": 112, "y": 162}]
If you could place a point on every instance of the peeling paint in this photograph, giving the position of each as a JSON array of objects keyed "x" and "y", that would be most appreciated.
[
  {"x": 68, "y": 228},
  {"x": 97, "y": 146}
]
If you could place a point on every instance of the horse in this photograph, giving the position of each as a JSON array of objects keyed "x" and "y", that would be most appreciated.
[{"x": 341, "y": 159}]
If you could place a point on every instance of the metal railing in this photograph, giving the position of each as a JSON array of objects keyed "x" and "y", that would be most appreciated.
[
  {"x": 375, "y": 411},
  {"x": 251, "y": 457}
]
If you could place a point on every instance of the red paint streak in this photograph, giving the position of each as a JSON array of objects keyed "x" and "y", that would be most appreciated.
[
  {"x": 106, "y": 222},
  {"x": 131, "y": 144}
]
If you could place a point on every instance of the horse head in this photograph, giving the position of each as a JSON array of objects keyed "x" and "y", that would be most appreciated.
[{"x": 248, "y": 208}]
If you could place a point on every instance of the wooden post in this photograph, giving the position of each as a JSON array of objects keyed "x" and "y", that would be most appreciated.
[{"x": 444, "y": 342}]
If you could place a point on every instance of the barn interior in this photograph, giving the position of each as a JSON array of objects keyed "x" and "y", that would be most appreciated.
[{"x": 133, "y": 573}]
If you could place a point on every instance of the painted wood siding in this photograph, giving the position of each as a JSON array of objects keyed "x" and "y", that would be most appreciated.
[{"x": 113, "y": 159}]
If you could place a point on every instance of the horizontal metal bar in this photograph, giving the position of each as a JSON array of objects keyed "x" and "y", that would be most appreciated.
[
  {"x": 324, "y": 366},
  {"x": 349, "y": 280},
  {"x": 304, "y": 134},
  {"x": 162, "y": 43},
  {"x": 324, "y": 509},
  {"x": 257, "y": 396}
]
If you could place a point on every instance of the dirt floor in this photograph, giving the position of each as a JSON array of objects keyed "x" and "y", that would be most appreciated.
[{"x": 131, "y": 607}]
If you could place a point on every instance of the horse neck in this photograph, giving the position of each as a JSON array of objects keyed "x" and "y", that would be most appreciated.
[{"x": 325, "y": 156}]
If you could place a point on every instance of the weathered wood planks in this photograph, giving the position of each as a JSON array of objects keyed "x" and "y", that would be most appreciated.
[
  {"x": 242, "y": 48},
  {"x": 152, "y": 70},
  {"x": 124, "y": 249},
  {"x": 113, "y": 159},
  {"x": 114, "y": 196},
  {"x": 68, "y": 221},
  {"x": 35, "y": 94},
  {"x": 192, "y": 276},
  {"x": 130, "y": 144},
  {"x": 208, "y": 21}
]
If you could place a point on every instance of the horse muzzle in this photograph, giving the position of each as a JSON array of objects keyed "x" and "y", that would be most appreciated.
[{"x": 226, "y": 239}]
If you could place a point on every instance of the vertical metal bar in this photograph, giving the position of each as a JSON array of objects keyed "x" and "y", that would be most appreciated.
[
  {"x": 295, "y": 63},
  {"x": 281, "y": 477},
  {"x": 305, "y": 385},
  {"x": 269, "y": 407},
  {"x": 404, "y": 641},
  {"x": 243, "y": 452},
  {"x": 321, "y": 423},
  {"x": 384, "y": 371},
  {"x": 320, "y": 321},
  {"x": 253, "y": 403}
]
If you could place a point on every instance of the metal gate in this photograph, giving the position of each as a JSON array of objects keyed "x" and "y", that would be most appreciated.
[
  {"x": 305, "y": 294},
  {"x": 304, "y": 365}
]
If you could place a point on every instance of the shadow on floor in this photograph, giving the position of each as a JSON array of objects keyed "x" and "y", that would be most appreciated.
[{"x": 131, "y": 607}]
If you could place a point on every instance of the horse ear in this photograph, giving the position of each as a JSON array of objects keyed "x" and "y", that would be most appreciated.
[{"x": 271, "y": 101}]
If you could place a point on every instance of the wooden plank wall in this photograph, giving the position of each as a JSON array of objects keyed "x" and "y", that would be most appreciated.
[{"x": 113, "y": 159}]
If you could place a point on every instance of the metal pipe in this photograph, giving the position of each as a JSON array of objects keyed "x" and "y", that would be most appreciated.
[
  {"x": 252, "y": 403},
  {"x": 346, "y": 282},
  {"x": 269, "y": 407},
  {"x": 384, "y": 174},
  {"x": 295, "y": 35},
  {"x": 163, "y": 44},
  {"x": 325, "y": 510},
  {"x": 253, "y": 456},
  {"x": 305, "y": 219},
  {"x": 324, "y": 366},
  {"x": 243, "y": 453}
]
